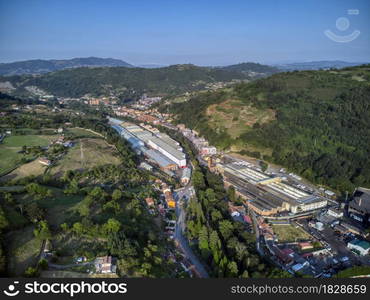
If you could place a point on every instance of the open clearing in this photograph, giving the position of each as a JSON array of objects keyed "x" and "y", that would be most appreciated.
[
  {"x": 31, "y": 168},
  {"x": 82, "y": 133},
  {"x": 236, "y": 117},
  {"x": 9, "y": 156},
  {"x": 23, "y": 249},
  {"x": 289, "y": 233},
  {"x": 86, "y": 153}
]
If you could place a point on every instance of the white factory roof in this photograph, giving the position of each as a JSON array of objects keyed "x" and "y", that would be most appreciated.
[
  {"x": 161, "y": 144},
  {"x": 159, "y": 158},
  {"x": 245, "y": 172}
]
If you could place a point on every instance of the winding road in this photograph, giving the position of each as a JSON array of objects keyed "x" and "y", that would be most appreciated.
[{"x": 179, "y": 234}]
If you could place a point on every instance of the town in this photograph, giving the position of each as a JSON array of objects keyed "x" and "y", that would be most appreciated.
[{"x": 300, "y": 226}]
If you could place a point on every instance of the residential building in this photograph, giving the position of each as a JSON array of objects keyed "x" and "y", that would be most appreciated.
[
  {"x": 186, "y": 174},
  {"x": 44, "y": 161}
]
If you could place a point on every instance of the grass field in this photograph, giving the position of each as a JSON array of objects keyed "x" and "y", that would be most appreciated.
[
  {"x": 81, "y": 133},
  {"x": 28, "y": 140},
  {"x": 86, "y": 153},
  {"x": 9, "y": 158},
  {"x": 62, "y": 274},
  {"x": 31, "y": 168},
  {"x": 289, "y": 233},
  {"x": 23, "y": 249}
]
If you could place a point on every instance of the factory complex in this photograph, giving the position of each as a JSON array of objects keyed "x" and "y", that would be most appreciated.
[
  {"x": 157, "y": 147},
  {"x": 268, "y": 195}
]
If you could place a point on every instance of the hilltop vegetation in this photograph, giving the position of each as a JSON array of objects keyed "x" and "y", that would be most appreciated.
[
  {"x": 320, "y": 128},
  {"x": 130, "y": 82},
  {"x": 250, "y": 68},
  {"x": 40, "y": 66}
]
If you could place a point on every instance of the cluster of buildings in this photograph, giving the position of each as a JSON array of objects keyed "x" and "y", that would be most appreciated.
[
  {"x": 105, "y": 265},
  {"x": 200, "y": 143},
  {"x": 148, "y": 115},
  {"x": 268, "y": 195},
  {"x": 146, "y": 102}
]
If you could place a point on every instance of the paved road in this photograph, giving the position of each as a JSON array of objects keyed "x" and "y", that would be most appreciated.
[
  {"x": 182, "y": 241},
  {"x": 258, "y": 237},
  {"x": 61, "y": 267}
]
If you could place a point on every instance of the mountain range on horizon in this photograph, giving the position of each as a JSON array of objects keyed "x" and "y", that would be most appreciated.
[{"x": 41, "y": 66}]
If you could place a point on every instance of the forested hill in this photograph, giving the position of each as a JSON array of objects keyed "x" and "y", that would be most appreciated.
[
  {"x": 120, "y": 80},
  {"x": 316, "y": 123},
  {"x": 252, "y": 69},
  {"x": 40, "y": 66}
]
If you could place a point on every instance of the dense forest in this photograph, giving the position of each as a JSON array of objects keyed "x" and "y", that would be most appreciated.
[
  {"x": 321, "y": 129},
  {"x": 77, "y": 82}
]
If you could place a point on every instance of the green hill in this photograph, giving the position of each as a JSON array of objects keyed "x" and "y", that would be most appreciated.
[
  {"x": 124, "y": 81},
  {"x": 40, "y": 66},
  {"x": 316, "y": 123}
]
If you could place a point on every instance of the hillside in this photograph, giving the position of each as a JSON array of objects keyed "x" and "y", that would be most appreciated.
[
  {"x": 39, "y": 66},
  {"x": 316, "y": 123},
  {"x": 127, "y": 82},
  {"x": 252, "y": 69}
]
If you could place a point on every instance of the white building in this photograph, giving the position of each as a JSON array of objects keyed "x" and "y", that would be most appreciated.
[
  {"x": 334, "y": 212},
  {"x": 173, "y": 154},
  {"x": 185, "y": 178},
  {"x": 360, "y": 247}
]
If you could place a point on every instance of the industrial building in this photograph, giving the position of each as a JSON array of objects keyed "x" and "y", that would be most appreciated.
[
  {"x": 173, "y": 154},
  {"x": 359, "y": 206},
  {"x": 165, "y": 152},
  {"x": 359, "y": 246},
  {"x": 158, "y": 158},
  {"x": 268, "y": 195}
]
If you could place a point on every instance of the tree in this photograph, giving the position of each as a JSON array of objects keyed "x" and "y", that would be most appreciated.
[
  {"x": 3, "y": 220},
  {"x": 112, "y": 226},
  {"x": 31, "y": 272},
  {"x": 231, "y": 193},
  {"x": 43, "y": 264},
  {"x": 232, "y": 269},
  {"x": 78, "y": 228},
  {"x": 42, "y": 230},
  {"x": 203, "y": 242},
  {"x": 34, "y": 212},
  {"x": 198, "y": 180},
  {"x": 117, "y": 195},
  {"x": 64, "y": 227},
  {"x": 226, "y": 229}
]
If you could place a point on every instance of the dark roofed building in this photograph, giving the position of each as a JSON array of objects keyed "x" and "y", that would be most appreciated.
[{"x": 359, "y": 206}]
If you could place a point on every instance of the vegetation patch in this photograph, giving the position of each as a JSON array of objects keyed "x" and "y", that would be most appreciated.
[
  {"x": 85, "y": 154},
  {"x": 23, "y": 250},
  {"x": 289, "y": 233}
]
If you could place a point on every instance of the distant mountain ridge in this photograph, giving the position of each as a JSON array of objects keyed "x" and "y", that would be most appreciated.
[
  {"x": 317, "y": 65},
  {"x": 40, "y": 66}
]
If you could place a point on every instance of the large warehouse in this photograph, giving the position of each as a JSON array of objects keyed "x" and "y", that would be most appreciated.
[
  {"x": 170, "y": 151},
  {"x": 268, "y": 195}
]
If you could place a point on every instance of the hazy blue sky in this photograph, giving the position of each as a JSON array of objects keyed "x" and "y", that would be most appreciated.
[{"x": 167, "y": 32}]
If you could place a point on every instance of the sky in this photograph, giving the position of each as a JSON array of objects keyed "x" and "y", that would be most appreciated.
[{"x": 171, "y": 32}]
